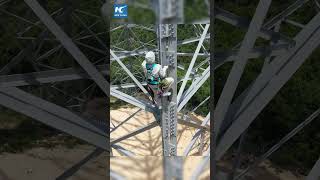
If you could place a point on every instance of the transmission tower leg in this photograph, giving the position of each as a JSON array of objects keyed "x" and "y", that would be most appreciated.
[
  {"x": 169, "y": 11},
  {"x": 173, "y": 168},
  {"x": 167, "y": 35}
]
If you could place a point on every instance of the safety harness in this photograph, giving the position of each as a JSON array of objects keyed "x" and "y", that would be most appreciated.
[{"x": 151, "y": 79}]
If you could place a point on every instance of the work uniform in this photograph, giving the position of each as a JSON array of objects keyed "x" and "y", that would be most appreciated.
[{"x": 156, "y": 80}]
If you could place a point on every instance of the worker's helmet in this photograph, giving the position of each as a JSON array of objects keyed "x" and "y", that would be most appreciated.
[{"x": 150, "y": 57}]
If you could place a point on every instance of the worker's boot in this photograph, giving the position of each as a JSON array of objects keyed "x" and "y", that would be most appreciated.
[{"x": 166, "y": 94}]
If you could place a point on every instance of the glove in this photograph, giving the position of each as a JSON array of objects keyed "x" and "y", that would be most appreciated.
[
  {"x": 164, "y": 84},
  {"x": 165, "y": 68}
]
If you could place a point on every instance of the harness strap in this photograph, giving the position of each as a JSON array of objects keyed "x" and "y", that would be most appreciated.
[{"x": 150, "y": 77}]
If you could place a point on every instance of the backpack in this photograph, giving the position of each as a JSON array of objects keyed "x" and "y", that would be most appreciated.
[{"x": 151, "y": 78}]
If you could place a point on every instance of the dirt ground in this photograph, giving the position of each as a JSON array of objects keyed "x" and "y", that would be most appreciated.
[
  {"x": 43, "y": 164},
  {"x": 46, "y": 164},
  {"x": 265, "y": 171},
  {"x": 149, "y": 143},
  {"x": 147, "y": 165},
  {"x": 147, "y": 146},
  {"x": 151, "y": 167}
]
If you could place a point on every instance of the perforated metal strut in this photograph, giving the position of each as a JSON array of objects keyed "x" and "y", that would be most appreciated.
[
  {"x": 170, "y": 11},
  {"x": 167, "y": 52},
  {"x": 173, "y": 168},
  {"x": 167, "y": 34}
]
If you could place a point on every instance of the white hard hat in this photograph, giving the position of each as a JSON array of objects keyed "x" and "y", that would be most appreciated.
[{"x": 150, "y": 57}]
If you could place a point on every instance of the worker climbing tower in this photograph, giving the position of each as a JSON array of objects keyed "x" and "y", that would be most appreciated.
[
  {"x": 188, "y": 66},
  {"x": 67, "y": 46}
]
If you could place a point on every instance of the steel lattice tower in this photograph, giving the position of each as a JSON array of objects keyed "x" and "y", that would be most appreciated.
[
  {"x": 58, "y": 45},
  {"x": 197, "y": 72},
  {"x": 232, "y": 115},
  {"x": 282, "y": 56},
  {"x": 166, "y": 11}
]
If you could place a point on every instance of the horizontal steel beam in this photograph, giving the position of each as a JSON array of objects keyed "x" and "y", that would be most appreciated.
[
  {"x": 51, "y": 76},
  {"x": 126, "y": 54},
  {"x": 53, "y": 115},
  {"x": 132, "y": 100},
  {"x": 196, "y": 136},
  {"x": 123, "y": 151},
  {"x": 138, "y": 131},
  {"x": 257, "y": 52},
  {"x": 127, "y": 85},
  {"x": 284, "y": 14},
  {"x": 129, "y": 73},
  {"x": 194, "y": 125},
  {"x": 70, "y": 46},
  {"x": 191, "y": 40},
  {"x": 235, "y": 20}
]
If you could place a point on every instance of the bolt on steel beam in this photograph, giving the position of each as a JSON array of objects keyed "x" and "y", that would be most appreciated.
[{"x": 167, "y": 34}]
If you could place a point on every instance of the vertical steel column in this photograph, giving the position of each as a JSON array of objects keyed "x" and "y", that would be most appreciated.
[
  {"x": 173, "y": 168},
  {"x": 106, "y": 10},
  {"x": 170, "y": 11},
  {"x": 167, "y": 34}
]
